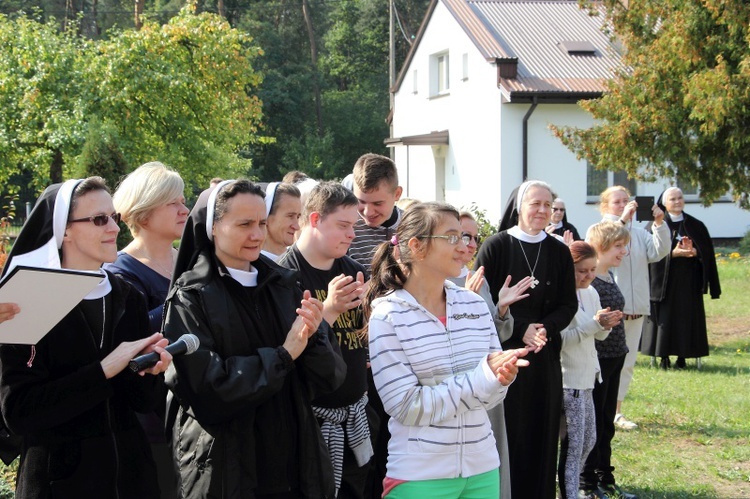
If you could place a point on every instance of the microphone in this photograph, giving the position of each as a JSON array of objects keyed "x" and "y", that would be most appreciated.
[{"x": 185, "y": 344}]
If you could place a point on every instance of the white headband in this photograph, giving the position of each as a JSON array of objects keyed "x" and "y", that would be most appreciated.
[
  {"x": 62, "y": 209},
  {"x": 521, "y": 193},
  {"x": 270, "y": 194},
  {"x": 211, "y": 207}
]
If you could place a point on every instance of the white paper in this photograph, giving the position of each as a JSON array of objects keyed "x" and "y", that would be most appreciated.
[{"x": 44, "y": 296}]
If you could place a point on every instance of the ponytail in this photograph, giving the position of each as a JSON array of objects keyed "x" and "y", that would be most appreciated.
[{"x": 387, "y": 275}]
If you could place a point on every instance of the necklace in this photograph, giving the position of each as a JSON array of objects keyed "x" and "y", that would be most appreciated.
[
  {"x": 531, "y": 269},
  {"x": 160, "y": 268},
  {"x": 104, "y": 319}
]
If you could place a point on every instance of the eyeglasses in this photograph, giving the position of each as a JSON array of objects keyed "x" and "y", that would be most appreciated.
[
  {"x": 466, "y": 238},
  {"x": 559, "y": 209},
  {"x": 452, "y": 239},
  {"x": 99, "y": 220}
]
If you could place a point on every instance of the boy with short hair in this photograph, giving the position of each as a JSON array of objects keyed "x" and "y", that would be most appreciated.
[
  {"x": 327, "y": 230},
  {"x": 376, "y": 187}
]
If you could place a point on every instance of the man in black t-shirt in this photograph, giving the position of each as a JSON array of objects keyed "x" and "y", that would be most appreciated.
[{"x": 327, "y": 230}]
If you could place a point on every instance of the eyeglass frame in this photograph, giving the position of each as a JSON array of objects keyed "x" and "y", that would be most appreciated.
[
  {"x": 466, "y": 237},
  {"x": 558, "y": 209},
  {"x": 452, "y": 239},
  {"x": 116, "y": 217}
]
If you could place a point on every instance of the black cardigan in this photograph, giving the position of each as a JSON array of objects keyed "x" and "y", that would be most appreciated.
[{"x": 698, "y": 233}]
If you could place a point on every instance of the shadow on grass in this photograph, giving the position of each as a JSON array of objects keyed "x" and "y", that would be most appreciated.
[
  {"x": 690, "y": 431},
  {"x": 648, "y": 493}
]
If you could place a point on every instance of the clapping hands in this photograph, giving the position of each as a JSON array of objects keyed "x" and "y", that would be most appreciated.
[{"x": 505, "y": 364}]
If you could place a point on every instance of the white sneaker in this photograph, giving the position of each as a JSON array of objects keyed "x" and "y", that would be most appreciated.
[{"x": 623, "y": 423}]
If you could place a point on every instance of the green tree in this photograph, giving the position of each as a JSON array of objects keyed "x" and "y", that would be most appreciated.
[
  {"x": 181, "y": 93},
  {"x": 680, "y": 107},
  {"x": 42, "y": 123}
]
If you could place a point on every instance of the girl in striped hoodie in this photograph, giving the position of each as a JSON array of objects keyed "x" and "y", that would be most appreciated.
[{"x": 436, "y": 360}]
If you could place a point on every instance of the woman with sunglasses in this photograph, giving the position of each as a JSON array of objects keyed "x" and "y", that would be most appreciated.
[
  {"x": 436, "y": 360},
  {"x": 71, "y": 397},
  {"x": 559, "y": 223}
]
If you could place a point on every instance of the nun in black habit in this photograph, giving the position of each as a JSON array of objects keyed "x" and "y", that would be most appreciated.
[
  {"x": 70, "y": 399},
  {"x": 534, "y": 401},
  {"x": 677, "y": 324},
  {"x": 243, "y": 423}
]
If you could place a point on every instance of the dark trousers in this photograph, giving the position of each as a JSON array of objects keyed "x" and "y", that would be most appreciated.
[
  {"x": 598, "y": 468},
  {"x": 380, "y": 435}
]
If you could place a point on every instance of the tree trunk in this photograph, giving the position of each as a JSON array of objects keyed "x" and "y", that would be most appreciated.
[
  {"x": 56, "y": 167},
  {"x": 138, "y": 13},
  {"x": 314, "y": 62},
  {"x": 222, "y": 10}
]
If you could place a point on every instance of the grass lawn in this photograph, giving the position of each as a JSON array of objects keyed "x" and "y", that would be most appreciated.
[{"x": 693, "y": 438}]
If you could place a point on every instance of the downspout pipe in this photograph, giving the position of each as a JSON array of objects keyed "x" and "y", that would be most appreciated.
[{"x": 526, "y": 138}]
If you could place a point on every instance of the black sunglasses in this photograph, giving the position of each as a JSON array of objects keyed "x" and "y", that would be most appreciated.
[
  {"x": 99, "y": 220},
  {"x": 468, "y": 237}
]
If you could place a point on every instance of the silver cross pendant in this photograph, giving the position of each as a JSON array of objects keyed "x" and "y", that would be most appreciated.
[{"x": 534, "y": 282}]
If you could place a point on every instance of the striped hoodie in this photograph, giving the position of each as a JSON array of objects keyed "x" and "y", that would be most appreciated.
[{"x": 435, "y": 384}]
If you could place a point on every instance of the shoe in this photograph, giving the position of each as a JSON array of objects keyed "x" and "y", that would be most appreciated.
[
  {"x": 587, "y": 494},
  {"x": 623, "y": 423},
  {"x": 680, "y": 364},
  {"x": 665, "y": 364},
  {"x": 613, "y": 492}
]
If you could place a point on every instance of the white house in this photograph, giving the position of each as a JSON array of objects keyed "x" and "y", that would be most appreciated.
[{"x": 477, "y": 92}]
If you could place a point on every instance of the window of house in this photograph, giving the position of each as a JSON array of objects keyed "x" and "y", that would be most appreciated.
[
  {"x": 465, "y": 72},
  {"x": 598, "y": 180},
  {"x": 689, "y": 191},
  {"x": 415, "y": 88},
  {"x": 439, "y": 74}
]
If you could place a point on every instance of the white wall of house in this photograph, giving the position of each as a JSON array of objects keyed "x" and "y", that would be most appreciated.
[
  {"x": 483, "y": 162},
  {"x": 469, "y": 110}
]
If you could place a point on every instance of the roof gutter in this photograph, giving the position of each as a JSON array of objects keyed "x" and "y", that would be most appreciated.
[{"x": 526, "y": 117}]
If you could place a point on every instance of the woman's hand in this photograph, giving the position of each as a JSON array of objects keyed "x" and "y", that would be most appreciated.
[
  {"x": 311, "y": 312},
  {"x": 628, "y": 212},
  {"x": 474, "y": 280},
  {"x": 608, "y": 319},
  {"x": 505, "y": 364},
  {"x": 535, "y": 337},
  {"x": 509, "y": 295},
  {"x": 309, "y": 316},
  {"x": 118, "y": 359},
  {"x": 685, "y": 249},
  {"x": 568, "y": 238},
  {"x": 8, "y": 311}
]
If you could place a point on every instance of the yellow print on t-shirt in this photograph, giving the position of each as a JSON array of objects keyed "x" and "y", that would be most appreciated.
[
  {"x": 350, "y": 321},
  {"x": 350, "y": 340}
]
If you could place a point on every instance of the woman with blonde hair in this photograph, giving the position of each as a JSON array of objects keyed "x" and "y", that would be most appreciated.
[
  {"x": 632, "y": 276},
  {"x": 152, "y": 203}
]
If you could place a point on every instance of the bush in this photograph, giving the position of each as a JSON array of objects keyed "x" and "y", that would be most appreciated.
[{"x": 745, "y": 244}]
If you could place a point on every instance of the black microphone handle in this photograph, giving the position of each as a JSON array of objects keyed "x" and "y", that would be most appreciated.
[{"x": 150, "y": 359}]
